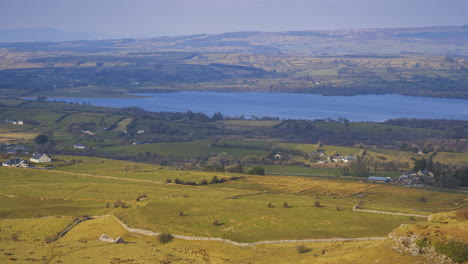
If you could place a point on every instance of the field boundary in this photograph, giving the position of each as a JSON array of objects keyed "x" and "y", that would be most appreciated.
[
  {"x": 389, "y": 213},
  {"x": 151, "y": 233}
]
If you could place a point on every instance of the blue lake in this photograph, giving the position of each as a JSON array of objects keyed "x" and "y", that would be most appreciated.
[{"x": 294, "y": 105}]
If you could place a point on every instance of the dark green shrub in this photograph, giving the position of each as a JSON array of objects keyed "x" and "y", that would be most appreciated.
[
  {"x": 257, "y": 170},
  {"x": 457, "y": 251},
  {"x": 165, "y": 238}
]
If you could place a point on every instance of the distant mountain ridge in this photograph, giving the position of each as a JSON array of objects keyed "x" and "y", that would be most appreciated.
[
  {"x": 46, "y": 34},
  {"x": 442, "y": 40}
]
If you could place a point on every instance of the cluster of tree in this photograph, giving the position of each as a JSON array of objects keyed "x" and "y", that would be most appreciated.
[
  {"x": 369, "y": 134},
  {"x": 214, "y": 180},
  {"x": 445, "y": 176},
  {"x": 127, "y": 75},
  {"x": 457, "y": 127},
  {"x": 358, "y": 168}
]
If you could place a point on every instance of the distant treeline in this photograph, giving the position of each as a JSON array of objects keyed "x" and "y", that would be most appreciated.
[
  {"x": 460, "y": 126},
  {"x": 40, "y": 79}
]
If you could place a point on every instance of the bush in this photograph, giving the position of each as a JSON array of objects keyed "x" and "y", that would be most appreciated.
[
  {"x": 257, "y": 170},
  {"x": 235, "y": 169},
  {"x": 302, "y": 249},
  {"x": 215, "y": 179},
  {"x": 270, "y": 205},
  {"x": 457, "y": 251},
  {"x": 120, "y": 204},
  {"x": 203, "y": 182},
  {"x": 41, "y": 139},
  {"x": 141, "y": 197},
  {"x": 165, "y": 238}
]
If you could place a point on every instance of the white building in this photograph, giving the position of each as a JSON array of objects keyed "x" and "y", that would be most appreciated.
[
  {"x": 40, "y": 158},
  {"x": 79, "y": 146},
  {"x": 17, "y": 162}
]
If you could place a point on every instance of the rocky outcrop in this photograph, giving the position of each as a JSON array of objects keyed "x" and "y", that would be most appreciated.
[
  {"x": 105, "y": 238},
  {"x": 443, "y": 239},
  {"x": 414, "y": 246}
]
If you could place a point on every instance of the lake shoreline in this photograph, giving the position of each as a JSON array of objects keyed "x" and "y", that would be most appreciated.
[{"x": 375, "y": 108}]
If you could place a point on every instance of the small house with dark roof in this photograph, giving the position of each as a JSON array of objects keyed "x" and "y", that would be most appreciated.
[{"x": 16, "y": 162}]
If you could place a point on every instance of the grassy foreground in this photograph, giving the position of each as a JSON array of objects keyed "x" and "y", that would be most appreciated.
[
  {"x": 248, "y": 209},
  {"x": 80, "y": 245}
]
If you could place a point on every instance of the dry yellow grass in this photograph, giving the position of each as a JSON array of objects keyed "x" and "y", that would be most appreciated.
[
  {"x": 12, "y": 137},
  {"x": 81, "y": 246}
]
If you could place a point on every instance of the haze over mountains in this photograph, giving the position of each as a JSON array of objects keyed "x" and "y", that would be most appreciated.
[
  {"x": 432, "y": 40},
  {"x": 47, "y": 34},
  {"x": 428, "y": 61}
]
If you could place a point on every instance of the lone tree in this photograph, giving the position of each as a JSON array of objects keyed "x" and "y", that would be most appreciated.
[{"x": 41, "y": 139}]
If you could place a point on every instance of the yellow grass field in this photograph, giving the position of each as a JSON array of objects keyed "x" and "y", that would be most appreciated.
[{"x": 81, "y": 245}]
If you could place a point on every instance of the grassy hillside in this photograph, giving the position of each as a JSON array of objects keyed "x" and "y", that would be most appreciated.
[
  {"x": 80, "y": 245},
  {"x": 83, "y": 189},
  {"x": 101, "y": 186}
]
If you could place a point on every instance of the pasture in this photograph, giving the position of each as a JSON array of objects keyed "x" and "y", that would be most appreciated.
[
  {"x": 81, "y": 245},
  {"x": 183, "y": 150},
  {"x": 240, "y": 206}
]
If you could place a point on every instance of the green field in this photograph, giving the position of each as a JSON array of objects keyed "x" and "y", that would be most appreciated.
[
  {"x": 80, "y": 245},
  {"x": 301, "y": 171},
  {"x": 80, "y": 190},
  {"x": 95, "y": 186},
  {"x": 184, "y": 150}
]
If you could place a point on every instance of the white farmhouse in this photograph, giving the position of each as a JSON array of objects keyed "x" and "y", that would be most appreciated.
[
  {"x": 40, "y": 158},
  {"x": 79, "y": 146}
]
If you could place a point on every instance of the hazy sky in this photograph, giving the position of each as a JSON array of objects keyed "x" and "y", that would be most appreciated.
[{"x": 177, "y": 17}]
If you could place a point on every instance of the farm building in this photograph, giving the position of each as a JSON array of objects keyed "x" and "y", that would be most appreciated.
[
  {"x": 378, "y": 179},
  {"x": 16, "y": 162},
  {"x": 79, "y": 146},
  {"x": 425, "y": 173},
  {"x": 40, "y": 158}
]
